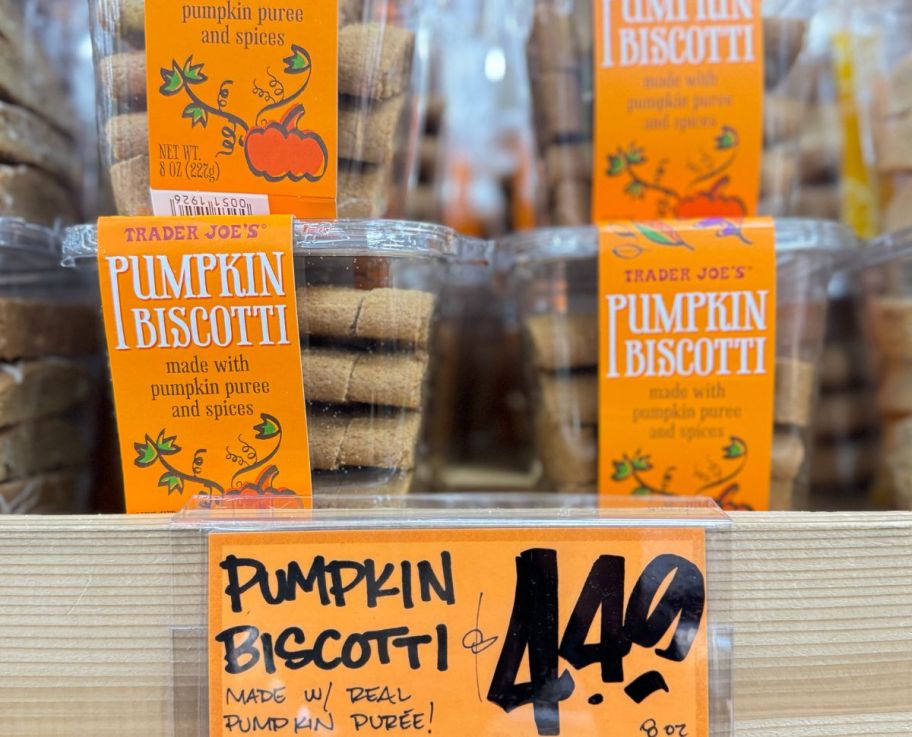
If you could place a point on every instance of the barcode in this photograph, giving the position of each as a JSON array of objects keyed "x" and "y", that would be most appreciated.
[
  {"x": 197, "y": 204},
  {"x": 210, "y": 208}
]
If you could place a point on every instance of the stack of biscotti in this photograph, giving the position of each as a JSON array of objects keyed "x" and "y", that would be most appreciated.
[
  {"x": 845, "y": 422},
  {"x": 375, "y": 73},
  {"x": 365, "y": 361},
  {"x": 46, "y": 404},
  {"x": 891, "y": 120},
  {"x": 39, "y": 164},
  {"x": 565, "y": 358},
  {"x": 560, "y": 67},
  {"x": 421, "y": 203},
  {"x": 890, "y": 324}
]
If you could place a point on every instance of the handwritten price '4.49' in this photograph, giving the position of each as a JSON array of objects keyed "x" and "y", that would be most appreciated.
[{"x": 650, "y": 614}]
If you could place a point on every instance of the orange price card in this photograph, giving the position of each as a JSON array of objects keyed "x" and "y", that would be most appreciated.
[
  {"x": 243, "y": 107},
  {"x": 524, "y": 632},
  {"x": 678, "y": 119},
  {"x": 687, "y": 340},
  {"x": 202, "y": 332}
]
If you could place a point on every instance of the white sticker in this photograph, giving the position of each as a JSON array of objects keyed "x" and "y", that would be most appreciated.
[{"x": 177, "y": 202}]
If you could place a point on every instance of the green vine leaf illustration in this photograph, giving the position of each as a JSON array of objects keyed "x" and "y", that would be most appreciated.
[
  {"x": 635, "y": 155},
  {"x": 146, "y": 453},
  {"x": 193, "y": 73},
  {"x": 641, "y": 491},
  {"x": 172, "y": 482},
  {"x": 728, "y": 139},
  {"x": 298, "y": 62},
  {"x": 616, "y": 165},
  {"x": 635, "y": 189},
  {"x": 622, "y": 470},
  {"x": 628, "y": 252},
  {"x": 197, "y": 114},
  {"x": 737, "y": 448},
  {"x": 268, "y": 428},
  {"x": 166, "y": 446},
  {"x": 173, "y": 80},
  {"x": 661, "y": 234},
  {"x": 642, "y": 463}
]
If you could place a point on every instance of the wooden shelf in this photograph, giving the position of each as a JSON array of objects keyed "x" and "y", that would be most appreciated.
[{"x": 822, "y": 605}]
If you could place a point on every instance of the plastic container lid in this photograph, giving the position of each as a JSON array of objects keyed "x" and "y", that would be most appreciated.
[
  {"x": 29, "y": 254},
  {"x": 379, "y": 238},
  {"x": 793, "y": 235}
]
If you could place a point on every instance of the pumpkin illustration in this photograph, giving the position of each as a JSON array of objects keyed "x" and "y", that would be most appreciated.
[{"x": 279, "y": 150}]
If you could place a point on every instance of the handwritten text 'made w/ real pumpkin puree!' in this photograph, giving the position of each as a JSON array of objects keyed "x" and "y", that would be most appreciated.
[
  {"x": 202, "y": 332},
  {"x": 687, "y": 359},
  {"x": 678, "y": 108}
]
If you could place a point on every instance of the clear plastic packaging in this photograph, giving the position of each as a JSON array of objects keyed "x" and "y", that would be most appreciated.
[
  {"x": 367, "y": 295},
  {"x": 49, "y": 375},
  {"x": 466, "y": 529},
  {"x": 886, "y": 277},
  {"x": 561, "y": 71},
  {"x": 882, "y": 48},
  {"x": 477, "y": 435},
  {"x": 41, "y": 172},
  {"x": 555, "y": 281},
  {"x": 377, "y": 112}
]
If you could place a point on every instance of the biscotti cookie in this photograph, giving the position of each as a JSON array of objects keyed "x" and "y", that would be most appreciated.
[
  {"x": 359, "y": 377},
  {"x": 44, "y": 494},
  {"x": 32, "y": 448},
  {"x": 339, "y": 441},
  {"x": 363, "y": 190},
  {"x": 367, "y": 132},
  {"x": 374, "y": 60},
  {"x": 26, "y": 138},
  {"x": 573, "y": 397},
  {"x": 130, "y": 182},
  {"x": 127, "y": 136},
  {"x": 33, "y": 195},
  {"x": 395, "y": 315},
  {"x": 569, "y": 455},
  {"x": 35, "y": 329},
  {"x": 796, "y": 382},
  {"x": 563, "y": 342},
  {"x": 891, "y": 326},
  {"x": 36, "y": 389}
]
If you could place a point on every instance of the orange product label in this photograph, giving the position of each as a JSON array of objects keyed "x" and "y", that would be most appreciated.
[
  {"x": 678, "y": 120},
  {"x": 447, "y": 632},
  {"x": 201, "y": 322},
  {"x": 687, "y": 342},
  {"x": 243, "y": 104}
]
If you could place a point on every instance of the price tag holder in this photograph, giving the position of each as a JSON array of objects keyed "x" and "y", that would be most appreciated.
[{"x": 540, "y": 619}]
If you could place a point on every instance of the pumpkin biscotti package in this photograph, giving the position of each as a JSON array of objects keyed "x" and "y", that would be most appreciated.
[
  {"x": 49, "y": 375},
  {"x": 665, "y": 103},
  {"x": 367, "y": 295},
  {"x": 215, "y": 108},
  {"x": 555, "y": 282}
]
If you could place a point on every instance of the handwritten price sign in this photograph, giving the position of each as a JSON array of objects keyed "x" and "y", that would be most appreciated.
[{"x": 453, "y": 632}]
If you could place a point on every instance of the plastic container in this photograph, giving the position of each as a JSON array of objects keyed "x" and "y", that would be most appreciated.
[
  {"x": 555, "y": 281},
  {"x": 561, "y": 73},
  {"x": 477, "y": 435},
  {"x": 49, "y": 375},
  {"x": 40, "y": 167},
  {"x": 882, "y": 45},
  {"x": 886, "y": 276},
  {"x": 378, "y": 122},
  {"x": 367, "y": 295}
]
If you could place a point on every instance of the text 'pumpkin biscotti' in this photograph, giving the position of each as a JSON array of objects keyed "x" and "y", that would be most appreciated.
[
  {"x": 682, "y": 383},
  {"x": 275, "y": 108},
  {"x": 366, "y": 296}
]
